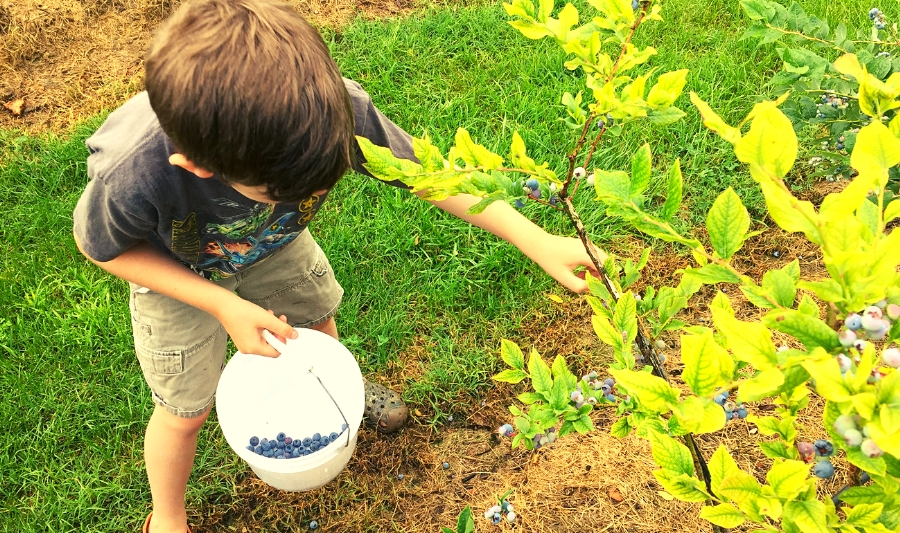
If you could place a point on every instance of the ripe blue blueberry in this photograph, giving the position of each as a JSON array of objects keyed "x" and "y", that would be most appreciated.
[
  {"x": 446, "y": 465},
  {"x": 269, "y": 453},
  {"x": 635, "y": 5},
  {"x": 295, "y": 454},
  {"x": 313, "y": 525},
  {"x": 307, "y": 441},
  {"x": 333, "y": 437},
  {"x": 823, "y": 469},
  {"x": 288, "y": 448},
  {"x": 839, "y": 146},
  {"x": 720, "y": 399},
  {"x": 742, "y": 412},
  {"x": 316, "y": 436},
  {"x": 400, "y": 477},
  {"x": 258, "y": 450},
  {"x": 251, "y": 448},
  {"x": 254, "y": 441},
  {"x": 532, "y": 184},
  {"x": 280, "y": 456},
  {"x": 610, "y": 397},
  {"x": 280, "y": 445},
  {"x": 824, "y": 448},
  {"x": 280, "y": 437},
  {"x": 519, "y": 203},
  {"x": 343, "y": 427},
  {"x": 853, "y": 322}
]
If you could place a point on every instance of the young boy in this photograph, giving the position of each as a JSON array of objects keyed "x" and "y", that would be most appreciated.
[{"x": 200, "y": 194}]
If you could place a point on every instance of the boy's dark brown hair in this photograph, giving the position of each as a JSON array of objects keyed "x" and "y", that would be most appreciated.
[{"x": 247, "y": 90}]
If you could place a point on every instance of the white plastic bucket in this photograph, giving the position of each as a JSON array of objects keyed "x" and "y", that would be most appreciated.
[{"x": 315, "y": 386}]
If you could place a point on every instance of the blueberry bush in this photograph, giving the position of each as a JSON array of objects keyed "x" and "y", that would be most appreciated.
[
  {"x": 841, "y": 329},
  {"x": 826, "y": 93}
]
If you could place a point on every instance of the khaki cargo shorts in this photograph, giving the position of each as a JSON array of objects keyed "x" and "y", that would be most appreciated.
[{"x": 181, "y": 349}]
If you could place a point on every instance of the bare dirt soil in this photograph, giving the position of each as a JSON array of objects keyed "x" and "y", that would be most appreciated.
[{"x": 64, "y": 60}]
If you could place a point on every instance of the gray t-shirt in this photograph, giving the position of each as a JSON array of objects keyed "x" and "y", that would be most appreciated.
[{"x": 135, "y": 194}]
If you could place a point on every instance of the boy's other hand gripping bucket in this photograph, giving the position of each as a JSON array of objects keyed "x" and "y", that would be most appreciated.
[{"x": 315, "y": 386}]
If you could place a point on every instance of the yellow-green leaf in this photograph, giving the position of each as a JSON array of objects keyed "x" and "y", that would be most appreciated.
[
  {"x": 683, "y": 486},
  {"x": 667, "y": 89},
  {"x": 788, "y": 478},
  {"x": 748, "y": 341},
  {"x": 707, "y": 366},
  {"x": 727, "y": 223},
  {"x": 699, "y": 415},
  {"x": 541, "y": 378},
  {"x": 651, "y": 391},
  {"x": 740, "y": 487},
  {"x": 760, "y": 386},
  {"x": 512, "y": 354},
  {"x": 714, "y": 122},
  {"x": 721, "y": 465},
  {"x": 809, "y": 516},
  {"x": 875, "y": 152},
  {"x": 770, "y": 144},
  {"x": 723, "y": 515}
]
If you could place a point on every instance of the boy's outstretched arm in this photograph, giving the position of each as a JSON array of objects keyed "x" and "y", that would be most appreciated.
[
  {"x": 244, "y": 321},
  {"x": 558, "y": 256}
]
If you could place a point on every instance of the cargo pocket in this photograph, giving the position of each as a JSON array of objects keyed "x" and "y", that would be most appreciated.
[{"x": 161, "y": 362}]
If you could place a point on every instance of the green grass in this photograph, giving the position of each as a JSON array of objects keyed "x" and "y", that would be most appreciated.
[{"x": 416, "y": 279}]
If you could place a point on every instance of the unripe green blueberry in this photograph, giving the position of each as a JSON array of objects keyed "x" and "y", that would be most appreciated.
[
  {"x": 590, "y": 180},
  {"x": 853, "y": 437},
  {"x": 844, "y": 363},
  {"x": 729, "y": 406},
  {"x": 844, "y": 423},
  {"x": 881, "y": 304},
  {"x": 660, "y": 344},
  {"x": 579, "y": 173},
  {"x": 870, "y": 449},
  {"x": 891, "y": 357}
]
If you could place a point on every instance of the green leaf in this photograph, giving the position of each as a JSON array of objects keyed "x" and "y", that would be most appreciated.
[
  {"x": 865, "y": 494},
  {"x": 510, "y": 375},
  {"x": 711, "y": 274},
  {"x": 625, "y": 316},
  {"x": 583, "y": 424},
  {"x": 827, "y": 289},
  {"x": 723, "y": 515},
  {"x": 748, "y": 341},
  {"x": 875, "y": 152},
  {"x": 651, "y": 391},
  {"x": 640, "y": 171},
  {"x": 812, "y": 332},
  {"x": 781, "y": 285},
  {"x": 663, "y": 116},
  {"x": 559, "y": 395},
  {"x": 529, "y": 398},
  {"x": 674, "y": 191},
  {"x": 721, "y": 465},
  {"x": 807, "y": 515},
  {"x": 727, "y": 223},
  {"x": 788, "y": 478},
  {"x": 777, "y": 450},
  {"x": 512, "y": 354},
  {"x": 382, "y": 163},
  {"x": 541, "y": 378},
  {"x": 830, "y": 383},
  {"x": 671, "y": 455},
  {"x": 682, "y": 486},
  {"x": 707, "y": 366},
  {"x": 667, "y": 89},
  {"x": 872, "y": 465},
  {"x": 465, "y": 524},
  {"x": 530, "y": 29},
  {"x": 620, "y": 428},
  {"x": 561, "y": 372}
]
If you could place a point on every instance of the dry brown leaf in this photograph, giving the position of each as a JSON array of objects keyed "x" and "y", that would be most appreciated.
[
  {"x": 15, "y": 106},
  {"x": 615, "y": 495}
]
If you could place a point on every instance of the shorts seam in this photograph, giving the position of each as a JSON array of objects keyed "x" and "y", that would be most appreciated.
[
  {"x": 331, "y": 312},
  {"x": 182, "y": 413}
]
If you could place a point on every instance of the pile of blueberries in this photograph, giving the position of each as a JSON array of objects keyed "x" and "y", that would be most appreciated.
[
  {"x": 877, "y": 17},
  {"x": 733, "y": 410},
  {"x": 284, "y": 447},
  {"x": 595, "y": 385},
  {"x": 495, "y": 513}
]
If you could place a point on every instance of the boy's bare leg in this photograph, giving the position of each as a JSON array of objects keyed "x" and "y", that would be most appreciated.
[
  {"x": 170, "y": 444},
  {"x": 328, "y": 327}
]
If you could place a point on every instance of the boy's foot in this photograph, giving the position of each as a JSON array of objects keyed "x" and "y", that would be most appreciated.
[
  {"x": 147, "y": 525},
  {"x": 385, "y": 410}
]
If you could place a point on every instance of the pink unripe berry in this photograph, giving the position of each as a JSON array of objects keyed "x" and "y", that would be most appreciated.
[
  {"x": 870, "y": 449},
  {"x": 893, "y": 311},
  {"x": 844, "y": 363},
  {"x": 873, "y": 310},
  {"x": 871, "y": 322},
  {"x": 891, "y": 357},
  {"x": 853, "y": 437},
  {"x": 860, "y": 346},
  {"x": 847, "y": 338},
  {"x": 806, "y": 449}
]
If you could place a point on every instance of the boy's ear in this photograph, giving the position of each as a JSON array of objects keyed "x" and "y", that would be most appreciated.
[{"x": 179, "y": 160}]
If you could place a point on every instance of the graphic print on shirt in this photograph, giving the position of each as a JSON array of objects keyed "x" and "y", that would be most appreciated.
[{"x": 234, "y": 242}]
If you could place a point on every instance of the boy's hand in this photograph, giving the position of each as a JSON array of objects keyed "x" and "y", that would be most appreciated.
[
  {"x": 560, "y": 256},
  {"x": 244, "y": 322}
]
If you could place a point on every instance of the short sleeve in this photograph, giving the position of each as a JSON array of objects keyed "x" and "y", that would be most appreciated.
[
  {"x": 374, "y": 126},
  {"x": 108, "y": 222}
]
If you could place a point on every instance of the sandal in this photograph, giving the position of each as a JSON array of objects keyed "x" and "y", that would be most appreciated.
[
  {"x": 385, "y": 410},
  {"x": 146, "y": 528}
]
